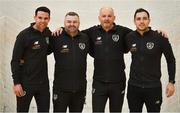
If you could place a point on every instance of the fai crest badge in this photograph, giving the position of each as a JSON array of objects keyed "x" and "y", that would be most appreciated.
[
  {"x": 55, "y": 96},
  {"x": 47, "y": 40},
  {"x": 149, "y": 45},
  {"x": 115, "y": 38},
  {"x": 82, "y": 46}
]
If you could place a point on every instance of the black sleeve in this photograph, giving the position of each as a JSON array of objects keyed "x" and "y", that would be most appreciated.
[
  {"x": 126, "y": 31},
  {"x": 17, "y": 55},
  {"x": 127, "y": 43},
  {"x": 50, "y": 45},
  {"x": 89, "y": 32},
  {"x": 48, "y": 35},
  {"x": 91, "y": 48},
  {"x": 170, "y": 59}
]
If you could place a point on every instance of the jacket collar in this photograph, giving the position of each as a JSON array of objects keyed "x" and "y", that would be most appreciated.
[
  {"x": 65, "y": 33},
  {"x": 45, "y": 30},
  {"x": 114, "y": 28},
  {"x": 149, "y": 29}
]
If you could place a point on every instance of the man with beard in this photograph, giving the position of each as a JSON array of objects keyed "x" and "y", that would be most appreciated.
[{"x": 70, "y": 53}]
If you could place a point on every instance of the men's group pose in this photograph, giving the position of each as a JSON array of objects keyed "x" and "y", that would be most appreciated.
[{"x": 106, "y": 43}]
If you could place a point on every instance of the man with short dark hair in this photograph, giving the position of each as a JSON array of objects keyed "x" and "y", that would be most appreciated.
[
  {"x": 147, "y": 47},
  {"x": 70, "y": 53},
  {"x": 29, "y": 63}
]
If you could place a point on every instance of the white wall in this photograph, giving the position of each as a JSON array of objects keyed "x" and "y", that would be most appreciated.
[
  {"x": 1, "y": 78},
  {"x": 15, "y": 15}
]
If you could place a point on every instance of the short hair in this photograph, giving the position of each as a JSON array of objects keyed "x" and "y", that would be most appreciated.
[
  {"x": 141, "y": 10},
  {"x": 42, "y": 8},
  {"x": 71, "y": 14}
]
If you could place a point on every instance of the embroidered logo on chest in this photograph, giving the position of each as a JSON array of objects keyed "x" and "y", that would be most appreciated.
[
  {"x": 64, "y": 49},
  {"x": 82, "y": 46},
  {"x": 115, "y": 38},
  {"x": 47, "y": 40},
  {"x": 149, "y": 45},
  {"x": 133, "y": 48},
  {"x": 98, "y": 41},
  {"x": 36, "y": 45}
]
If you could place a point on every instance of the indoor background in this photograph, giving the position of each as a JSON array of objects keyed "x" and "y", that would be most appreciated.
[{"x": 15, "y": 15}]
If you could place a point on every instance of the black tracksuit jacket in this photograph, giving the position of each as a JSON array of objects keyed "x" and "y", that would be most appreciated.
[
  {"x": 146, "y": 53},
  {"x": 108, "y": 49},
  {"x": 70, "y": 55},
  {"x": 31, "y": 46}
]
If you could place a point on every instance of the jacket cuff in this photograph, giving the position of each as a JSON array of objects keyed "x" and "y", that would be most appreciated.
[
  {"x": 16, "y": 81},
  {"x": 172, "y": 81}
]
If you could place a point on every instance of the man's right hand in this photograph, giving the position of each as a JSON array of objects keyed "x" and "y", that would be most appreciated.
[
  {"x": 18, "y": 90},
  {"x": 57, "y": 31},
  {"x": 170, "y": 89}
]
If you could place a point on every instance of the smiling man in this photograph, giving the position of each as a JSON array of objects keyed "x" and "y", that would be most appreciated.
[
  {"x": 70, "y": 52},
  {"x": 147, "y": 47},
  {"x": 29, "y": 63}
]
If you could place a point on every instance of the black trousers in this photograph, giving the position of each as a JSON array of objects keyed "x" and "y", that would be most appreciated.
[
  {"x": 102, "y": 91},
  {"x": 41, "y": 95},
  {"x": 74, "y": 100},
  {"x": 151, "y": 97}
]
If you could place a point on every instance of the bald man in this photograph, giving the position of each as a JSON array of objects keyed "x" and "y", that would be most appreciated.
[{"x": 107, "y": 49}]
